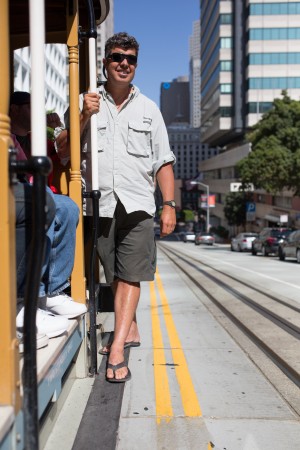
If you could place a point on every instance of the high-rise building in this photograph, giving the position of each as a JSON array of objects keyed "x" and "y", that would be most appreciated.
[
  {"x": 185, "y": 144},
  {"x": 195, "y": 67},
  {"x": 249, "y": 54},
  {"x": 55, "y": 75},
  {"x": 56, "y": 69},
  {"x": 104, "y": 31},
  {"x": 175, "y": 100}
]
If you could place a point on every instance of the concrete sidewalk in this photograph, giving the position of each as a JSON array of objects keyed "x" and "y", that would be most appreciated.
[{"x": 204, "y": 367}]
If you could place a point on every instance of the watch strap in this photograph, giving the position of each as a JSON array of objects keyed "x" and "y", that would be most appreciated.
[{"x": 170, "y": 203}]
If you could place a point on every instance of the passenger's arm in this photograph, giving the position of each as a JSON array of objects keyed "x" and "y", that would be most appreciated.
[
  {"x": 91, "y": 104},
  {"x": 165, "y": 178}
]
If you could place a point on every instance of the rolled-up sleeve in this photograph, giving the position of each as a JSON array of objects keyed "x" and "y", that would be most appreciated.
[{"x": 162, "y": 154}]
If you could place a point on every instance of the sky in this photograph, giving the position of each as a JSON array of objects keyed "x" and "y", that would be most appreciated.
[{"x": 163, "y": 29}]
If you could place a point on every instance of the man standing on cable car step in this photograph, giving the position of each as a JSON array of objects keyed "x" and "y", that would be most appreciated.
[{"x": 133, "y": 151}]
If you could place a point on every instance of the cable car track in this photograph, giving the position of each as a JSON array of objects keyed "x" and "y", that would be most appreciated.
[{"x": 290, "y": 329}]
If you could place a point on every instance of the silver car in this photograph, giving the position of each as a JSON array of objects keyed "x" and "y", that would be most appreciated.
[
  {"x": 242, "y": 242},
  {"x": 204, "y": 238},
  {"x": 188, "y": 236}
]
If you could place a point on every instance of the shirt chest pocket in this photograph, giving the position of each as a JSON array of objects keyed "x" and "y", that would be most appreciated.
[
  {"x": 101, "y": 135},
  {"x": 139, "y": 139}
]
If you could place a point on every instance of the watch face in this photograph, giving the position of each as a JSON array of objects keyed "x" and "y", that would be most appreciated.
[{"x": 170, "y": 203}]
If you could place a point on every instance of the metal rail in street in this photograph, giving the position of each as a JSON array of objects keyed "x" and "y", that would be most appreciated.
[{"x": 269, "y": 348}]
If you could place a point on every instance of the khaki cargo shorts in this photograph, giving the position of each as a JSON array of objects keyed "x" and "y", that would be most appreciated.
[{"x": 126, "y": 246}]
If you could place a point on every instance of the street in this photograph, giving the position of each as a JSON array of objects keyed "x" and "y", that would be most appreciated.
[{"x": 269, "y": 273}]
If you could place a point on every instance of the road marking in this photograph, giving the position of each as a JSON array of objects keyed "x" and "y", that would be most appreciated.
[
  {"x": 188, "y": 394},
  {"x": 162, "y": 388},
  {"x": 255, "y": 273}
]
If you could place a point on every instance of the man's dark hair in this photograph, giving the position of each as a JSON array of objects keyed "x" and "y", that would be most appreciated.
[{"x": 123, "y": 40}]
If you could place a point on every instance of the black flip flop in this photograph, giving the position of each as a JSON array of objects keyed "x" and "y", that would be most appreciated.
[
  {"x": 126, "y": 345},
  {"x": 116, "y": 367},
  {"x": 131, "y": 344}
]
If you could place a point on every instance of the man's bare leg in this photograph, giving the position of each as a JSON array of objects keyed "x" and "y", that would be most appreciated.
[
  {"x": 133, "y": 335},
  {"x": 127, "y": 296}
]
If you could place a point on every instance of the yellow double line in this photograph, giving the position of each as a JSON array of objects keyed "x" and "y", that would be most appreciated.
[{"x": 189, "y": 398}]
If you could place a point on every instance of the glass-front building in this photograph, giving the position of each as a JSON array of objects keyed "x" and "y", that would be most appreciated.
[{"x": 249, "y": 54}]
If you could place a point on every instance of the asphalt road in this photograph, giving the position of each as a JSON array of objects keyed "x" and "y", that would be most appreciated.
[{"x": 277, "y": 277}]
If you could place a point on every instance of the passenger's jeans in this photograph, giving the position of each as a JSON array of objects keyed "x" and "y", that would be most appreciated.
[
  {"x": 23, "y": 202},
  {"x": 59, "y": 261},
  {"x": 60, "y": 240}
]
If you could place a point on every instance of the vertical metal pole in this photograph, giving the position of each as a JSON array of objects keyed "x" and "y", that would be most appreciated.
[
  {"x": 95, "y": 196},
  {"x": 207, "y": 211},
  {"x": 38, "y": 160},
  {"x": 37, "y": 46},
  {"x": 30, "y": 407}
]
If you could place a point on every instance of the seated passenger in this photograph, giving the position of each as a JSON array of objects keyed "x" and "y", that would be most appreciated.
[
  {"x": 61, "y": 236},
  {"x": 20, "y": 123}
]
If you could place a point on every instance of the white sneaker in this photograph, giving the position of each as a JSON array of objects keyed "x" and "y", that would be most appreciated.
[
  {"x": 41, "y": 341},
  {"x": 46, "y": 323},
  {"x": 64, "y": 305}
]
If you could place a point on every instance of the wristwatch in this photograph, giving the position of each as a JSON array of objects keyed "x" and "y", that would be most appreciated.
[{"x": 170, "y": 203}]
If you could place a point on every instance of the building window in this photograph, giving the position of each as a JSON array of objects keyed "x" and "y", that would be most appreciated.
[
  {"x": 259, "y": 107},
  {"x": 283, "y": 202},
  {"x": 225, "y": 111},
  {"x": 225, "y": 19},
  {"x": 225, "y": 66},
  {"x": 271, "y": 34},
  {"x": 226, "y": 42},
  {"x": 274, "y": 58},
  {"x": 260, "y": 9},
  {"x": 274, "y": 83},
  {"x": 226, "y": 88}
]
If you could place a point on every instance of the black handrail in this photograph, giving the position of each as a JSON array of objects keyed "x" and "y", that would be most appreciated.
[
  {"x": 95, "y": 196},
  {"x": 40, "y": 167},
  {"x": 91, "y": 33}
]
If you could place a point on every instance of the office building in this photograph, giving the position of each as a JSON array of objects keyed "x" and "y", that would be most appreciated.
[
  {"x": 195, "y": 80},
  {"x": 190, "y": 154},
  {"x": 249, "y": 54},
  {"x": 55, "y": 75},
  {"x": 56, "y": 69},
  {"x": 185, "y": 143},
  {"x": 175, "y": 100},
  {"x": 104, "y": 31}
]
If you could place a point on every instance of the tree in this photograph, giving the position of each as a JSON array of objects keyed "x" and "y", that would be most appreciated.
[
  {"x": 274, "y": 162},
  {"x": 235, "y": 207}
]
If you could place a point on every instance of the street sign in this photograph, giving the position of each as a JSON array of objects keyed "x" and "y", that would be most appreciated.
[
  {"x": 236, "y": 187},
  {"x": 250, "y": 211},
  {"x": 250, "y": 207},
  {"x": 211, "y": 201}
]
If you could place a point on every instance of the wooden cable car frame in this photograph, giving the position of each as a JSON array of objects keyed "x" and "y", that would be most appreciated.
[{"x": 62, "y": 20}]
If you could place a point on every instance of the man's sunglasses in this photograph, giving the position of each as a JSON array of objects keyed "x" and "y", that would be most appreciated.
[{"x": 119, "y": 57}]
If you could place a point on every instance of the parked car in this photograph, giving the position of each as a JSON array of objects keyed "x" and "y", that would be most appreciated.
[
  {"x": 204, "y": 238},
  {"x": 290, "y": 248},
  {"x": 269, "y": 239},
  {"x": 242, "y": 242},
  {"x": 188, "y": 236}
]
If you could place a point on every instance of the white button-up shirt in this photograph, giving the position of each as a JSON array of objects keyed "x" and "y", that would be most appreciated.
[{"x": 132, "y": 146}]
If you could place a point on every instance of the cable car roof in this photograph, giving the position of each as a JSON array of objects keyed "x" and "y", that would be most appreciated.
[{"x": 56, "y": 13}]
